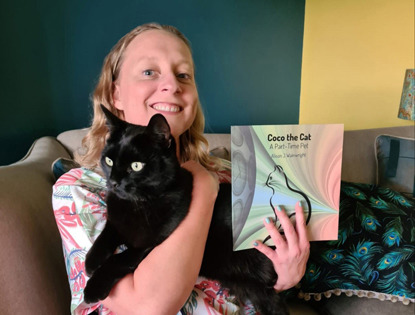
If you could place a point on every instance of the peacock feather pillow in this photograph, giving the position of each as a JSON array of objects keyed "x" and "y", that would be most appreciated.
[{"x": 374, "y": 255}]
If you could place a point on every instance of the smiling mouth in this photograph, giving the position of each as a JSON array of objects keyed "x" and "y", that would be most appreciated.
[{"x": 163, "y": 107}]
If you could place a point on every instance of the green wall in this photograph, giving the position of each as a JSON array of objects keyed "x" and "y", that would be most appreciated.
[{"x": 247, "y": 55}]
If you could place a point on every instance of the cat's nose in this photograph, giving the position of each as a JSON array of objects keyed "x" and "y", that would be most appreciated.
[{"x": 113, "y": 184}]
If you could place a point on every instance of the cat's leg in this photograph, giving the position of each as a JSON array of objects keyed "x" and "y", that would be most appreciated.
[
  {"x": 267, "y": 301},
  {"x": 103, "y": 247},
  {"x": 254, "y": 281},
  {"x": 260, "y": 289},
  {"x": 112, "y": 270}
]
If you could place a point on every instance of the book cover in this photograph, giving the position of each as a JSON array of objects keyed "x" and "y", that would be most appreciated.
[{"x": 278, "y": 165}]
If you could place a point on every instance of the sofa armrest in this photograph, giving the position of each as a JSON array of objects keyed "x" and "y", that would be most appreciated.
[{"x": 32, "y": 269}]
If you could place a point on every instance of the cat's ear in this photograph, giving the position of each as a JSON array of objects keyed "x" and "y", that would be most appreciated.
[
  {"x": 113, "y": 121},
  {"x": 159, "y": 126}
]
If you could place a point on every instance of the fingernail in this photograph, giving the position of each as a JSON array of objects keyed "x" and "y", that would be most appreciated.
[
  {"x": 279, "y": 208},
  {"x": 255, "y": 243},
  {"x": 268, "y": 220}
]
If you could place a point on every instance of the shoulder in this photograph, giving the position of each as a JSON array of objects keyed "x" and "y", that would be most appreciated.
[
  {"x": 81, "y": 177},
  {"x": 70, "y": 177},
  {"x": 79, "y": 185}
]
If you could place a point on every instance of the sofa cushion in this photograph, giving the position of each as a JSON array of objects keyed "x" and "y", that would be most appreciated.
[
  {"x": 395, "y": 158},
  {"x": 374, "y": 255}
]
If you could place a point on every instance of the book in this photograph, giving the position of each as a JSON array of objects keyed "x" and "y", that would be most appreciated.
[{"x": 279, "y": 165}]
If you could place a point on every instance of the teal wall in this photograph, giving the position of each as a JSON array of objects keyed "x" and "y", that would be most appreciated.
[{"x": 247, "y": 54}]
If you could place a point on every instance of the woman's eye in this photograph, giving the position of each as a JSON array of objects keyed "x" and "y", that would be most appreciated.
[
  {"x": 184, "y": 76},
  {"x": 148, "y": 72},
  {"x": 137, "y": 166},
  {"x": 109, "y": 161}
]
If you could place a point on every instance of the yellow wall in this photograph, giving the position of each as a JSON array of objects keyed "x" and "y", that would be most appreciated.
[{"x": 354, "y": 59}]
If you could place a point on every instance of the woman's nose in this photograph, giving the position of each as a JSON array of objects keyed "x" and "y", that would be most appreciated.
[{"x": 170, "y": 83}]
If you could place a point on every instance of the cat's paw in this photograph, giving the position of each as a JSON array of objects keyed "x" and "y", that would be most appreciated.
[
  {"x": 91, "y": 265},
  {"x": 97, "y": 289}
]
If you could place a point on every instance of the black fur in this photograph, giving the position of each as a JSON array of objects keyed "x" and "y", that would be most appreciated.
[{"x": 145, "y": 206}]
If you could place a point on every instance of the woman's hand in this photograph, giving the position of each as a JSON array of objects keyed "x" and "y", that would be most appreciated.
[{"x": 292, "y": 251}]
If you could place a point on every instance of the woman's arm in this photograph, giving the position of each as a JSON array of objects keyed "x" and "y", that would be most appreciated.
[{"x": 164, "y": 280}]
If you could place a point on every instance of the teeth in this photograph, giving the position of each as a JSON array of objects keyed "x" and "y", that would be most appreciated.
[{"x": 167, "y": 108}]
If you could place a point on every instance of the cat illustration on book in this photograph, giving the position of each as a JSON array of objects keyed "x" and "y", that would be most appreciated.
[
  {"x": 149, "y": 194},
  {"x": 278, "y": 181}
]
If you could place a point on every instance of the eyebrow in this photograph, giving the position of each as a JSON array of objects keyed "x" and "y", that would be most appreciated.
[{"x": 181, "y": 62}]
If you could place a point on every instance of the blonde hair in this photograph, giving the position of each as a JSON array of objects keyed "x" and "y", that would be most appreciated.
[{"x": 193, "y": 145}]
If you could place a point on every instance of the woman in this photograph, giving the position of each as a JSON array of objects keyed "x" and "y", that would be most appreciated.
[{"x": 150, "y": 70}]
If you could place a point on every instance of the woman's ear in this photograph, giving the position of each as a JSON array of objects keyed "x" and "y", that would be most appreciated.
[{"x": 116, "y": 97}]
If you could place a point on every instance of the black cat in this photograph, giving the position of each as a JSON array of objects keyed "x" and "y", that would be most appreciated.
[{"x": 148, "y": 196}]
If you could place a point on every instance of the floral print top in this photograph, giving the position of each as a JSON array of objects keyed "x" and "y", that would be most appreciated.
[{"x": 80, "y": 213}]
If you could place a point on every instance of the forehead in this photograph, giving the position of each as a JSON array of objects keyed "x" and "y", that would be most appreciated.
[{"x": 153, "y": 44}]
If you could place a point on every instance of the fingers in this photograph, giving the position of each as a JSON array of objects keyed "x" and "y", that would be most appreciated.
[
  {"x": 267, "y": 251},
  {"x": 289, "y": 230},
  {"x": 300, "y": 223},
  {"x": 294, "y": 237},
  {"x": 292, "y": 251},
  {"x": 276, "y": 236}
]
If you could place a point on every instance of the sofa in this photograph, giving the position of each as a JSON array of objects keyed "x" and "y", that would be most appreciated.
[{"x": 32, "y": 273}]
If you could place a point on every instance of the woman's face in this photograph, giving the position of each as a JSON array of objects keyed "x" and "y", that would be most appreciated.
[{"x": 157, "y": 76}]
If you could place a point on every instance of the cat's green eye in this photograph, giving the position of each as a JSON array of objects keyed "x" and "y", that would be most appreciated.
[
  {"x": 137, "y": 166},
  {"x": 108, "y": 161}
]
